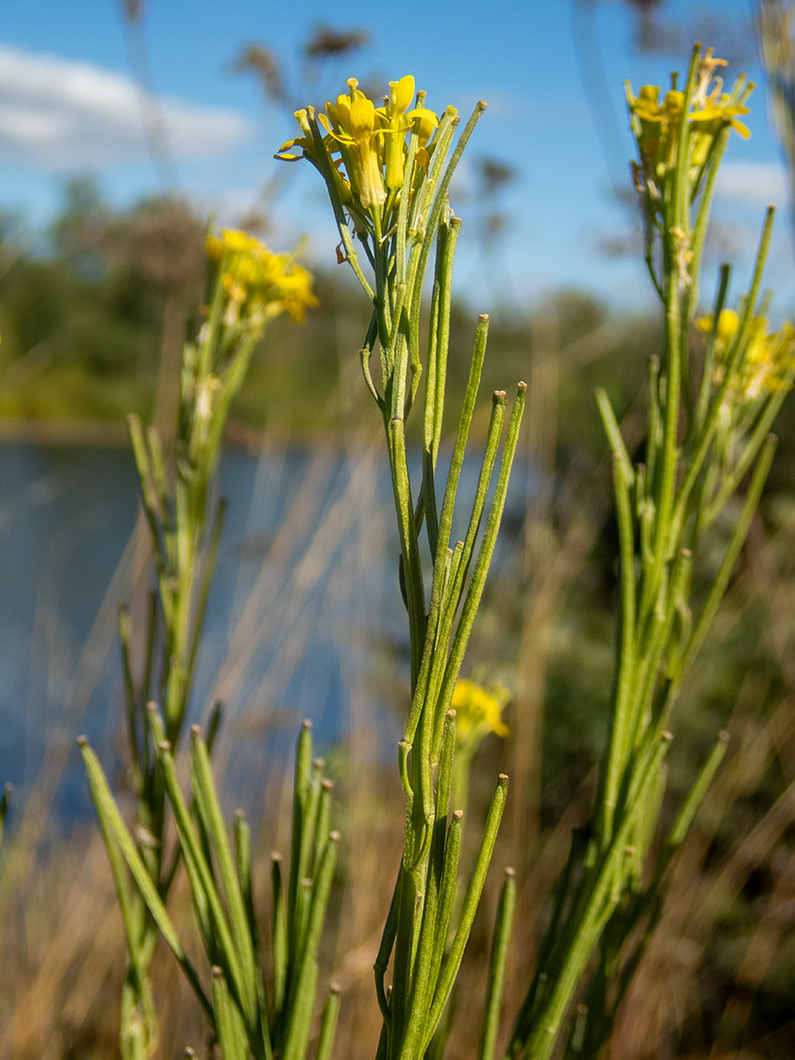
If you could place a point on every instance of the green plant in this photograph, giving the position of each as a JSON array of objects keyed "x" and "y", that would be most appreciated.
[
  {"x": 389, "y": 190},
  {"x": 251, "y": 286},
  {"x": 710, "y": 408},
  {"x": 705, "y": 433},
  {"x": 244, "y": 1020}
]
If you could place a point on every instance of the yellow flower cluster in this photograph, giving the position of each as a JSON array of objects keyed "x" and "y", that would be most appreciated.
[
  {"x": 656, "y": 123},
  {"x": 766, "y": 364},
  {"x": 366, "y": 146},
  {"x": 259, "y": 284},
  {"x": 478, "y": 711}
]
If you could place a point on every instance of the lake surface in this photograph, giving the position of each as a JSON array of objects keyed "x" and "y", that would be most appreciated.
[{"x": 304, "y": 618}]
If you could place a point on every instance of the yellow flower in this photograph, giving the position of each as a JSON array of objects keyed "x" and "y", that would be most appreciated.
[
  {"x": 309, "y": 151},
  {"x": 718, "y": 112},
  {"x": 366, "y": 146},
  {"x": 723, "y": 111},
  {"x": 478, "y": 711},
  {"x": 353, "y": 124},
  {"x": 714, "y": 108},
  {"x": 767, "y": 363},
  {"x": 764, "y": 366},
  {"x": 258, "y": 283},
  {"x": 728, "y": 322},
  {"x": 396, "y": 120},
  {"x": 656, "y": 124},
  {"x": 305, "y": 142}
]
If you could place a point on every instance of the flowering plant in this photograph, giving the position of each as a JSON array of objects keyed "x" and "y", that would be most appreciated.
[
  {"x": 714, "y": 390},
  {"x": 709, "y": 414},
  {"x": 375, "y": 159},
  {"x": 250, "y": 285},
  {"x": 387, "y": 171}
]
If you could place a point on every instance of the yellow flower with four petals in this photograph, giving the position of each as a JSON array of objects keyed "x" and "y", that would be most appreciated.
[
  {"x": 365, "y": 145},
  {"x": 656, "y": 124}
]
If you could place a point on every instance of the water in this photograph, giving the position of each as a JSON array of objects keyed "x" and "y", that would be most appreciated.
[
  {"x": 64, "y": 516},
  {"x": 304, "y": 619}
]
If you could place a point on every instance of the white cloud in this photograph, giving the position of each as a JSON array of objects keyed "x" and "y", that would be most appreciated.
[
  {"x": 57, "y": 114},
  {"x": 754, "y": 183}
]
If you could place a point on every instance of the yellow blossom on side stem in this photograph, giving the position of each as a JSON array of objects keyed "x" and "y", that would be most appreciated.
[
  {"x": 478, "y": 711},
  {"x": 764, "y": 366},
  {"x": 767, "y": 364}
]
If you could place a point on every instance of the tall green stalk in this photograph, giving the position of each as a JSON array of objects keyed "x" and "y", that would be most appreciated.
[
  {"x": 709, "y": 413},
  {"x": 714, "y": 391},
  {"x": 388, "y": 172},
  {"x": 185, "y": 519}
]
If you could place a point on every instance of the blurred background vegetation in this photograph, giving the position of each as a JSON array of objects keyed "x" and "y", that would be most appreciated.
[{"x": 89, "y": 309}]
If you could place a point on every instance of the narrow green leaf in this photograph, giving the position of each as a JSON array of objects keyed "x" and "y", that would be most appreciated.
[
  {"x": 300, "y": 1015},
  {"x": 705, "y": 388},
  {"x": 229, "y": 1022},
  {"x": 204, "y": 590},
  {"x": 721, "y": 581},
  {"x": 302, "y": 1000},
  {"x": 440, "y": 198},
  {"x": 279, "y": 938},
  {"x": 499, "y": 959},
  {"x": 613, "y": 432},
  {"x": 310, "y": 819},
  {"x": 384, "y": 952},
  {"x": 486, "y": 551},
  {"x": 626, "y": 707},
  {"x": 303, "y": 770},
  {"x": 244, "y": 872},
  {"x": 464, "y": 557},
  {"x": 207, "y": 802},
  {"x": 130, "y": 698},
  {"x": 113, "y": 827},
  {"x": 213, "y": 725},
  {"x": 303, "y": 907},
  {"x": 447, "y": 894},
  {"x": 328, "y": 1023},
  {"x": 452, "y": 962},
  {"x": 323, "y": 820},
  {"x": 697, "y": 792},
  {"x": 202, "y": 880}
]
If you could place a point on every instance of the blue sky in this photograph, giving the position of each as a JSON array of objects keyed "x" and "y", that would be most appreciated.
[{"x": 552, "y": 73}]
